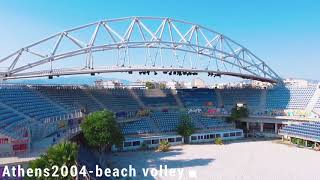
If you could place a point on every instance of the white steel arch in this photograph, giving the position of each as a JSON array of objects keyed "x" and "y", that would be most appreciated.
[{"x": 169, "y": 45}]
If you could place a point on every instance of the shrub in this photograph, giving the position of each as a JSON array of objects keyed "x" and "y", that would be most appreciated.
[
  {"x": 218, "y": 141},
  {"x": 164, "y": 146},
  {"x": 300, "y": 142},
  {"x": 144, "y": 146},
  {"x": 294, "y": 140}
]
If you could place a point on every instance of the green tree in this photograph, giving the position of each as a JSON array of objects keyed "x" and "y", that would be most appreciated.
[
  {"x": 63, "y": 154},
  {"x": 163, "y": 86},
  {"x": 150, "y": 85},
  {"x": 185, "y": 127},
  {"x": 238, "y": 112},
  {"x": 101, "y": 130}
]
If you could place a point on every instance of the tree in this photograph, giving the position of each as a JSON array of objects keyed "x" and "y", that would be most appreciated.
[
  {"x": 185, "y": 127},
  {"x": 101, "y": 130},
  {"x": 162, "y": 86},
  {"x": 63, "y": 154},
  {"x": 150, "y": 85},
  {"x": 238, "y": 112}
]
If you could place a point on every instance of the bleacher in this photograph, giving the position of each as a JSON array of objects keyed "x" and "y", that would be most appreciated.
[
  {"x": 29, "y": 102},
  {"x": 155, "y": 97},
  {"x": 70, "y": 98},
  {"x": 18, "y": 102},
  {"x": 116, "y": 100},
  {"x": 169, "y": 121},
  {"x": 317, "y": 106},
  {"x": 166, "y": 121},
  {"x": 8, "y": 117},
  {"x": 209, "y": 123},
  {"x": 306, "y": 130},
  {"x": 289, "y": 97},
  {"x": 248, "y": 96},
  {"x": 197, "y": 97},
  {"x": 141, "y": 126}
]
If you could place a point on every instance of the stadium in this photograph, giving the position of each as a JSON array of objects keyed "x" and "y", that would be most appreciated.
[{"x": 34, "y": 117}]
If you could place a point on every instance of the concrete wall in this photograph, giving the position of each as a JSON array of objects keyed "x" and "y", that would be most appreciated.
[
  {"x": 210, "y": 136},
  {"x": 151, "y": 142}
]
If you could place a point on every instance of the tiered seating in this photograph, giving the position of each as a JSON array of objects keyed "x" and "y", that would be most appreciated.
[
  {"x": 28, "y": 102},
  {"x": 141, "y": 126},
  {"x": 289, "y": 97},
  {"x": 317, "y": 106},
  {"x": 40, "y": 102},
  {"x": 71, "y": 98},
  {"x": 309, "y": 130},
  {"x": 166, "y": 121},
  {"x": 198, "y": 97},
  {"x": 116, "y": 100},
  {"x": 8, "y": 117},
  {"x": 210, "y": 122},
  {"x": 156, "y": 97},
  {"x": 249, "y": 96},
  {"x": 169, "y": 121}
]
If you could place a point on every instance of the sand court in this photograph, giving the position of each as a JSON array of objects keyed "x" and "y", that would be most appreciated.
[{"x": 256, "y": 160}]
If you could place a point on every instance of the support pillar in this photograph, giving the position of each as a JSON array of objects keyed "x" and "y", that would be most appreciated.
[
  {"x": 276, "y": 128},
  {"x": 261, "y": 127},
  {"x": 248, "y": 126},
  {"x": 306, "y": 143}
]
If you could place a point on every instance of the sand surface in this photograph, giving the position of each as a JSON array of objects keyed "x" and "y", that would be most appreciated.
[{"x": 257, "y": 160}]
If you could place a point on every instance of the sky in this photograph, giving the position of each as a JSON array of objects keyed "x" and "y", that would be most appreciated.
[{"x": 285, "y": 34}]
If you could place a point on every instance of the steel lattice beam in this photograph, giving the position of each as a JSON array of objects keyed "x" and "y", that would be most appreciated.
[{"x": 163, "y": 40}]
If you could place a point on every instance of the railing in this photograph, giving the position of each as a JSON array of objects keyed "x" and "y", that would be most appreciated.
[
  {"x": 73, "y": 115},
  {"x": 298, "y": 135}
]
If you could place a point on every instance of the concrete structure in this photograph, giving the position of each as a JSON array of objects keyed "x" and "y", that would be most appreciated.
[
  {"x": 198, "y": 83},
  {"x": 211, "y": 53},
  {"x": 109, "y": 84},
  {"x": 150, "y": 141}
]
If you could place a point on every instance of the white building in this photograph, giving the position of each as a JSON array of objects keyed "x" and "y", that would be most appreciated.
[
  {"x": 137, "y": 85},
  {"x": 171, "y": 84},
  {"x": 199, "y": 83},
  {"x": 108, "y": 84},
  {"x": 296, "y": 82}
]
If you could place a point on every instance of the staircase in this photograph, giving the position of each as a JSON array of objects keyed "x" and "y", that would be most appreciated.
[
  {"x": 177, "y": 98},
  {"x": 55, "y": 104},
  {"x": 137, "y": 98},
  {"x": 220, "y": 101},
  {"x": 7, "y": 130},
  {"x": 313, "y": 101},
  {"x": 263, "y": 99},
  {"x": 93, "y": 98}
]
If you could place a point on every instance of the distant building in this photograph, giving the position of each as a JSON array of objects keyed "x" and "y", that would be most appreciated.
[
  {"x": 198, "y": 83},
  {"x": 108, "y": 84},
  {"x": 137, "y": 85},
  {"x": 178, "y": 85},
  {"x": 296, "y": 82},
  {"x": 171, "y": 84}
]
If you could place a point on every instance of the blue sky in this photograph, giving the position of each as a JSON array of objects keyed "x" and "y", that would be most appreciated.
[{"x": 285, "y": 34}]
